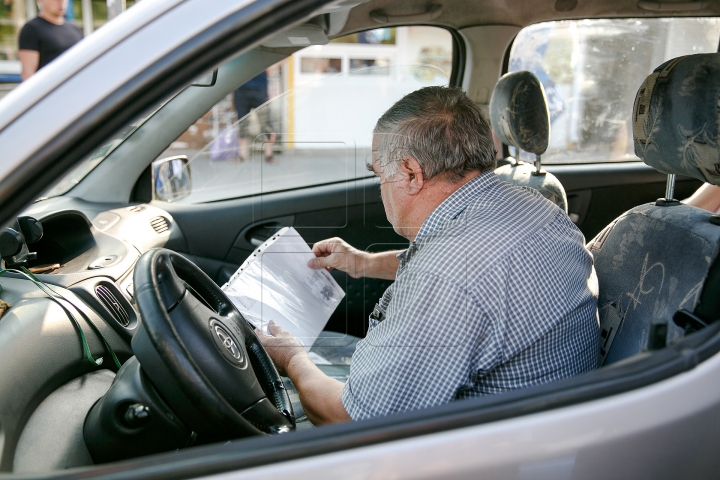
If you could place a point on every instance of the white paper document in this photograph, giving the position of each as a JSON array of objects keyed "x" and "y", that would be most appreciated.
[{"x": 275, "y": 283}]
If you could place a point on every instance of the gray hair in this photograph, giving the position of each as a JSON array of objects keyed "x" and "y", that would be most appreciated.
[{"x": 441, "y": 128}]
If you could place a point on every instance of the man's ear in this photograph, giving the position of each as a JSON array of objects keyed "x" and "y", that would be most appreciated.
[{"x": 414, "y": 178}]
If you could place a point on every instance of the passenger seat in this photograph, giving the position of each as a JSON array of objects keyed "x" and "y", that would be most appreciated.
[
  {"x": 519, "y": 117},
  {"x": 657, "y": 264}
]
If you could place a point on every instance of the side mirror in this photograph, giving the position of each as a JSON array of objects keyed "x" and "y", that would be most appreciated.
[{"x": 171, "y": 178}]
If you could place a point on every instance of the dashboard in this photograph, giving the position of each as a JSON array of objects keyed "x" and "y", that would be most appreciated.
[{"x": 47, "y": 381}]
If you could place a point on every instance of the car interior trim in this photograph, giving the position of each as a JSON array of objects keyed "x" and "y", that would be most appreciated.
[
  {"x": 459, "y": 59},
  {"x": 485, "y": 66}
]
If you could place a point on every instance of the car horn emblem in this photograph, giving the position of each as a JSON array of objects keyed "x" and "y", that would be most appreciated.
[{"x": 227, "y": 344}]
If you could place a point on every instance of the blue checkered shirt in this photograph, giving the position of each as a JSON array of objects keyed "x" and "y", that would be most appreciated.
[{"x": 497, "y": 292}]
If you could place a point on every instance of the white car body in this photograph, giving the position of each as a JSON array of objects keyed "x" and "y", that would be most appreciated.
[{"x": 667, "y": 427}]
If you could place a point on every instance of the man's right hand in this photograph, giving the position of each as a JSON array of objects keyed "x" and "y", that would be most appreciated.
[{"x": 336, "y": 253}]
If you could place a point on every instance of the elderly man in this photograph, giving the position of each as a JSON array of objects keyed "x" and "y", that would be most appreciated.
[{"x": 495, "y": 291}]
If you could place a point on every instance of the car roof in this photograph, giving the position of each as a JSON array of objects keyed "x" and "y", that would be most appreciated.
[{"x": 466, "y": 13}]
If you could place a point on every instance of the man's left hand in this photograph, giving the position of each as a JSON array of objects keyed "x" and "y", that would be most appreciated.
[
  {"x": 320, "y": 395},
  {"x": 281, "y": 345}
]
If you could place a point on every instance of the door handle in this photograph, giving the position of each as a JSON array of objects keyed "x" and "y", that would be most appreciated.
[
  {"x": 258, "y": 234},
  {"x": 255, "y": 234}
]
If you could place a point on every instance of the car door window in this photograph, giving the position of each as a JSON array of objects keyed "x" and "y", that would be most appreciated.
[
  {"x": 591, "y": 70},
  {"x": 316, "y": 127}
]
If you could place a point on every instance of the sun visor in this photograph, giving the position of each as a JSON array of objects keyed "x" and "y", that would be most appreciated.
[
  {"x": 328, "y": 22},
  {"x": 298, "y": 36}
]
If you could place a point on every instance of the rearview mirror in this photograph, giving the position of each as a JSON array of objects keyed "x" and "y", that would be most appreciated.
[{"x": 171, "y": 178}]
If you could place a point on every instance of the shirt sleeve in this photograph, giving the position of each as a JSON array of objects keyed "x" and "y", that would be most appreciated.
[
  {"x": 421, "y": 354},
  {"x": 29, "y": 39}
]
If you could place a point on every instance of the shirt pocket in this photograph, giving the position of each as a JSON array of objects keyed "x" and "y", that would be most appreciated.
[{"x": 378, "y": 314}]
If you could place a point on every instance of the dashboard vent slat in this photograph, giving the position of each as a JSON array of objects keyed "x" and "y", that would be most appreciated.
[
  {"x": 160, "y": 225},
  {"x": 111, "y": 303}
]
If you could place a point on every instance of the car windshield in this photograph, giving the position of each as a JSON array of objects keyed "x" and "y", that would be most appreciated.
[
  {"x": 76, "y": 175},
  {"x": 86, "y": 166}
]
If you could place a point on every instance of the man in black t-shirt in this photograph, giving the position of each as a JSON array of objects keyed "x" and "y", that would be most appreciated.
[{"x": 46, "y": 36}]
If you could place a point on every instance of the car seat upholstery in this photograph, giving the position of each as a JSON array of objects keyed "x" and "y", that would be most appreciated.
[
  {"x": 519, "y": 117},
  {"x": 657, "y": 267}
]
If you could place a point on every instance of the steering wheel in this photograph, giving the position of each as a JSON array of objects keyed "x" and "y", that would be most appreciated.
[{"x": 202, "y": 356}]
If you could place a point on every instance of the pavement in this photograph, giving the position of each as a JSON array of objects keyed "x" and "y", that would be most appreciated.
[{"x": 291, "y": 168}]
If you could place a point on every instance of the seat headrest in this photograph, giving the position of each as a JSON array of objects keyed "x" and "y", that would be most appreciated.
[
  {"x": 519, "y": 113},
  {"x": 676, "y": 117}
]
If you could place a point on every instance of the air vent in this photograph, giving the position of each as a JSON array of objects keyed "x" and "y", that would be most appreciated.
[
  {"x": 136, "y": 208},
  {"x": 160, "y": 224},
  {"x": 110, "y": 301}
]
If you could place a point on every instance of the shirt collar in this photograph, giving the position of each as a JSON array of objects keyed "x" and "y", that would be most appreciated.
[{"x": 456, "y": 203}]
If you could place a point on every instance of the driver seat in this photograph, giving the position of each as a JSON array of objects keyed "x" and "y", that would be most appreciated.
[{"x": 657, "y": 264}]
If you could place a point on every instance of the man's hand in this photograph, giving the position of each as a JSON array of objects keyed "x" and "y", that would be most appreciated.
[
  {"x": 337, "y": 253},
  {"x": 320, "y": 395},
  {"x": 281, "y": 345}
]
